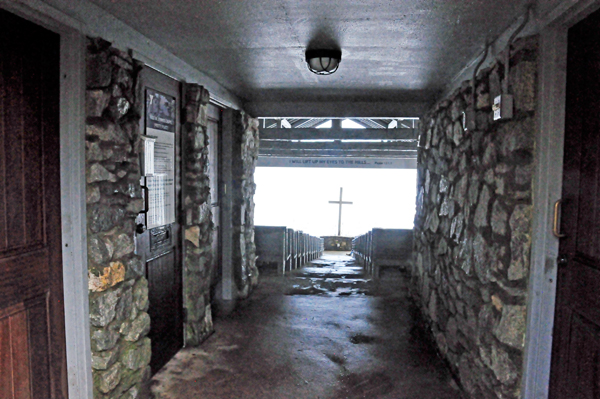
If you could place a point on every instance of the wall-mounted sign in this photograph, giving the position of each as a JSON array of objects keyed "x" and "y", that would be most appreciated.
[
  {"x": 148, "y": 156},
  {"x": 160, "y": 125},
  {"x": 330, "y": 162}
]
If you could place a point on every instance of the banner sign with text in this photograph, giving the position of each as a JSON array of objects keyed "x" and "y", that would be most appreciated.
[{"x": 342, "y": 162}]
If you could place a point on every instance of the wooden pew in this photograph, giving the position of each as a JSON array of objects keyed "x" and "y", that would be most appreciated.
[
  {"x": 289, "y": 250},
  {"x": 390, "y": 248},
  {"x": 271, "y": 246},
  {"x": 383, "y": 248},
  {"x": 286, "y": 248}
]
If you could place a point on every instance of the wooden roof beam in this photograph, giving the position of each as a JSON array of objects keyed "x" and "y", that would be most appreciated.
[
  {"x": 339, "y": 153},
  {"x": 336, "y": 145},
  {"x": 338, "y": 134}
]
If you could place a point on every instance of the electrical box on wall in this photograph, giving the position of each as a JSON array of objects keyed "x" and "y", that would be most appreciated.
[
  {"x": 503, "y": 107},
  {"x": 469, "y": 119}
]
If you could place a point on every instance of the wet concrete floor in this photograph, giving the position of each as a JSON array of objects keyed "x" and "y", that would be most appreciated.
[{"x": 321, "y": 332}]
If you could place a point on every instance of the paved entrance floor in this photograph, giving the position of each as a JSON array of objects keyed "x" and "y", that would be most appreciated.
[{"x": 322, "y": 332}]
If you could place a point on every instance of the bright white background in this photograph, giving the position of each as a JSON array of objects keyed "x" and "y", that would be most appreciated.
[{"x": 299, "y": 199}]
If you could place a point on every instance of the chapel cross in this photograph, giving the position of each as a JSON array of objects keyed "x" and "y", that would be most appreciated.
[{"x": 340, "y": 218}]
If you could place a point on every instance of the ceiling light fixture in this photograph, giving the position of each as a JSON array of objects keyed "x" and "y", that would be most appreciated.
[{"x": 323, "y": 62}]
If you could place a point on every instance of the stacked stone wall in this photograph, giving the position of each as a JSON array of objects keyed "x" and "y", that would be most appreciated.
[
  {"x": 198, "y": 216},
  {"x": 473, "y": 227},
  {"x": 118, "y": 290}
]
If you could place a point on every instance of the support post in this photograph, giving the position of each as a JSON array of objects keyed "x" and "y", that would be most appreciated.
[{"x": 227, "y": 276}]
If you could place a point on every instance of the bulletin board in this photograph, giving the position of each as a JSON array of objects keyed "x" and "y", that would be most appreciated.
[{"x": 160, "y": 125}]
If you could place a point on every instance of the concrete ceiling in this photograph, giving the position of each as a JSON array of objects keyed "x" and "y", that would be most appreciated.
[{"x": 394, "y": 51}]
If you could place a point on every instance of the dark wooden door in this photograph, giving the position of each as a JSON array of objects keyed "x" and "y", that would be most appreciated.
[
  {"x": 32, "y": 343},
  {"x": 214, "y": 129},
  {"x": 160, "y": 247},
  {"x": 576, "y": 346}
]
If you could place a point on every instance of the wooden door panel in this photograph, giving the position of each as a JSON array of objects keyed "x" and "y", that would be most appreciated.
[
  {"x": 24, "y": 350},
  {"x": 24, "y": 276},
  {"x": 576, "y": 340},
  {"x": 584, "y": 297},
  {"x": 583, "y": 372},
  {"x": 6, "y": 378},
  {"x": 37, "y": 312},
  {"x": 214, "y": 127},
  {"x": 165, "y": 303},
  {"x": 23, "y": 169},
  {"x": 16, "y": 334},
  {"x": 162, "y": 279},
  {"x": 160, "y": 247},
  {"x": 587, "y": 222},
  {"x": 32, "y": 345}
]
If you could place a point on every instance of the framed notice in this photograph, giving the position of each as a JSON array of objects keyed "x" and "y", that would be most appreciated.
[{"x": 160, "y": 126}]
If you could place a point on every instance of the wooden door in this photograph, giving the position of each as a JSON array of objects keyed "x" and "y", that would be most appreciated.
[
  {"x": 576, "y": 347},
  {"x": 32, "y": 343},
  {"x": 214, "y": 130},
  {"x": 160, "y": 246}
]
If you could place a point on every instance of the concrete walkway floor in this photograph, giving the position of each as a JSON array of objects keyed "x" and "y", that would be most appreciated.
[{"x": 321, "y": 332}]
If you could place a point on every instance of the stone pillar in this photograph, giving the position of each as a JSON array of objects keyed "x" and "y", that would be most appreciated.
[
  {"x": 118, "y": 290},
  {"x": 249, "y": 158},
  {"x": 472, "y": 233},
  {"x": 198, "y": 216},
  {"x": 239, "y": 143},
  {"x": 245, "y": 156}
]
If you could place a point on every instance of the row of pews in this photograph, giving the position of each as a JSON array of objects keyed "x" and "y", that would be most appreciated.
[
  {"x": 383, "y": 248},
  {"x": 285, "y": 248}
]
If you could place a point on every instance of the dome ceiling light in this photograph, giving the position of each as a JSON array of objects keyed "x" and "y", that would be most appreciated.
[{"x": 323, "y": 62}]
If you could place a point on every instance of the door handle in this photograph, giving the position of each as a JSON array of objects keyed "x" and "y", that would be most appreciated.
[
  {"x": 146, "y": 200},
  {"x": 555, "y": 222},
  {"x": 140, "y": 228}
]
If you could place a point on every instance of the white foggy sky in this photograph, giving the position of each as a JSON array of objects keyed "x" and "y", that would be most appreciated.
[{"x": 299, "y": 199}]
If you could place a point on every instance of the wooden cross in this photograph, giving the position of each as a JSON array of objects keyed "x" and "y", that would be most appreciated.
[{"x": 340, "y": 202}]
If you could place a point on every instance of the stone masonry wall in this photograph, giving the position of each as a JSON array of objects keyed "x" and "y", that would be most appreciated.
[
  {"x": 198, "y": 216},
  {"x": 473, "y": 227},
  {"x": 118, "y": 291},
  {"x": 245, "y": 155}
]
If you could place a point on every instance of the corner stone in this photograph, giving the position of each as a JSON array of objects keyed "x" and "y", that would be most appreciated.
[
  {"x": 102, "y": 308},
  {"x": 104, "y": 340},
  {"x": 499, "y": 219},
  {"x": 110, "y": 378},
  {"x": 137, "y": 356},
  {"x": 482, "y": 208},
  {"x": 511, "y": 329},
  {"x": 502, "y": 366},
  {"x": 192, "y": 234},
  {"x": 139, "y": 327},
  {"x": 103, "y": 360},
  {"x": 98, "y": 173}
]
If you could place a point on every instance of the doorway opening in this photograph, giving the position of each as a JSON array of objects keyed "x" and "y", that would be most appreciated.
[{"x": 300, "y": 198}]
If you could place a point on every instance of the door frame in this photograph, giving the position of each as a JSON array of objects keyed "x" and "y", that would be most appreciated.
[
  {"x": 547, "y": 188},
  {"x": 72, "y": 186},
  {"x": 73, "y": 23},
  {"x": 158, "y": 81}
]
